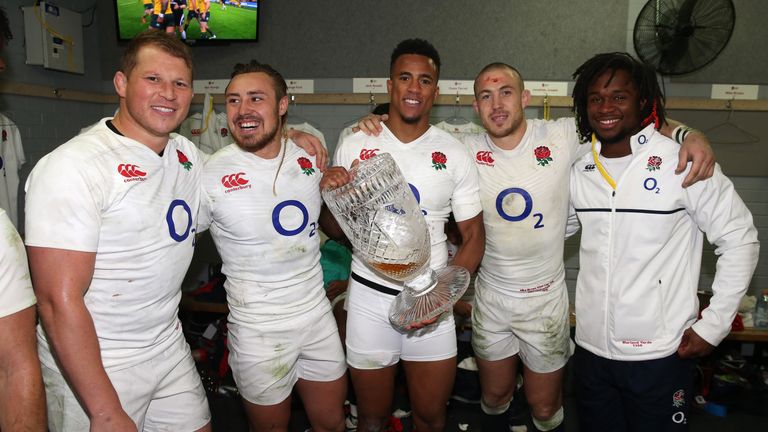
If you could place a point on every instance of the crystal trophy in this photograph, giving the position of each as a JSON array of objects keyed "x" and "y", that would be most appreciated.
[{"x": 379, "y": 214}]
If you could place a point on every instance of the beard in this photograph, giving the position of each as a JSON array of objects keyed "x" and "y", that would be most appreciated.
[{"x": 257, "y": 142}]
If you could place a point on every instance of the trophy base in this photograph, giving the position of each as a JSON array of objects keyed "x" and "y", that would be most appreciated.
[{"x": 415, "y": 305}]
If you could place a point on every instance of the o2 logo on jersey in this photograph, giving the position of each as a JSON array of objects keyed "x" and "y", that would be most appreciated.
[
  {"x": 418, "y": 197},
  {"x": 527, "y": 199},
  {"x": 297, "y": 205},
  {"x": 179, "y": 220}
]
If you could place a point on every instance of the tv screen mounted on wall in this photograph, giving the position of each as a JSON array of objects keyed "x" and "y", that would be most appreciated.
[{"x": 194, "y": 21}]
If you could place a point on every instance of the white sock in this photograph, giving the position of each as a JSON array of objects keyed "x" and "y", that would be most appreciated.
[
  {"x": 494, "y": 410},
  {"x": 550, "y": 423}
]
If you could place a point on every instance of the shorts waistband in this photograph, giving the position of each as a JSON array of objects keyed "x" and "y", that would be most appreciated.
[{"x": 373, "y": 285}]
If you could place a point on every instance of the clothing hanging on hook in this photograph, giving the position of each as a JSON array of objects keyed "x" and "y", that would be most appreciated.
[
  {"x": 293, "y": 113},
  {"x": 11, "y": 159},
  {"x": 297, "y": 122},
  {"x": 207, "y": 130},
  {"x": 728, "y": 132}
]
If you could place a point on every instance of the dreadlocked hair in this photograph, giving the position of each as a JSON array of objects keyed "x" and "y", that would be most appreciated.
[{"x": 649, "y": 92}]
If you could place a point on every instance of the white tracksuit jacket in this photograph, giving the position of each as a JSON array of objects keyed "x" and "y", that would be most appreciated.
[{"x": 640, "y": 253}]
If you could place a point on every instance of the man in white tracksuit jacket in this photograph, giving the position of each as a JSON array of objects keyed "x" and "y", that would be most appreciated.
[{"x": 637, "y": 313}]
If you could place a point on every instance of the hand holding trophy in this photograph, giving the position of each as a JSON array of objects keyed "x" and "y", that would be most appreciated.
[{"x": 380, "y": 216}]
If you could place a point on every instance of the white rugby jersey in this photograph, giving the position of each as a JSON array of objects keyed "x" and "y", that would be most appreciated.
[
  {"x": 524, "y": 195},
  {"x": 640, "y": 253},
  {"x": 15, "y": 284},
  {"x": 440, "y": 173},
  {"x": 102, "y": 192},
  {"x": 265, "y": 229},
  {"x": 11, "y": 160}
]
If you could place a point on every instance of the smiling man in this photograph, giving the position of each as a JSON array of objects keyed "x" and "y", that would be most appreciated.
[
  {"x": 262, "y": 202},
  {"x": 637, "y": 315},
  {"x": 110, "y": 234},
  {"x": 444, "y": 180},
  {"x": 520, "y": 315}
]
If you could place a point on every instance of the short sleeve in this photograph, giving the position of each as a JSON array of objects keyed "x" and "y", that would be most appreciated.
[
  {"x": 465, "y": 201},
  {"x": 15, "y": 284},
  {"x": 63, "y": 208}
]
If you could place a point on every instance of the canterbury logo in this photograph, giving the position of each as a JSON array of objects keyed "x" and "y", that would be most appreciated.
[
  {"x": 485, "y": 158},
  {"x": 131, "y": 172},
  {"x": 235, "y": 181},
  {"x": 367, "y": 154}
]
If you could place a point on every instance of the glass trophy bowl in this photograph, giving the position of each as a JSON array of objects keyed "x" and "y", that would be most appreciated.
[{"x": 379, "y": 214}]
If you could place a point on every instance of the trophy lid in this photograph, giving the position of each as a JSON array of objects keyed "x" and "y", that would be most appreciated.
[{"x": 413, "y": 305}]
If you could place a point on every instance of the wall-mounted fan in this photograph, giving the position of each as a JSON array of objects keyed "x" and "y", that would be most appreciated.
[{"x": 680, "y": 36}]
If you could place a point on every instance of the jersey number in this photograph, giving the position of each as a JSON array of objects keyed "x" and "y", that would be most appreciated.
[{"x": 526, "y": 211}]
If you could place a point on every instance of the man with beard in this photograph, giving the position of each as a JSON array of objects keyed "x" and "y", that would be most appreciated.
[
  {"x": 637, "y": 316},
  {"x": 521, "y": 300},
  {"x": 262, "y": 202},
  {"x": 110, "y": 235},
  {"x": 444, "y": 180}
]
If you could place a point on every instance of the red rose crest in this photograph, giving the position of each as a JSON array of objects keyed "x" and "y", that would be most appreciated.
[
  {"x": 183, "y": 160},
  {"x": 438, "y": 161},
  {"x": 678, "y": 399},
  {"x": 543, "y": 155},
  {"x": 654, "y": 163},
  {"x": 305, "y": 165},
  {"x": 224, "y": 132}
]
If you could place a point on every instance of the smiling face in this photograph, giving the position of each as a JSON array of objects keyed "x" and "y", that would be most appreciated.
[
  {"x": 613, "y": 109},
  {"x": 253, "y": 111},
  {"x": 154, "y": 96},
  {"x": 412, "y": 88},
  {"x": 500, "y": 100}
]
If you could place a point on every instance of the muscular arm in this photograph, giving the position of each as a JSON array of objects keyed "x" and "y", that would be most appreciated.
[
  {"x": 22, "y": 400},
  {"x": 695, "y": 149},
  {"x": 61, "y": 278},
  {"x": 472, "y": 247}
]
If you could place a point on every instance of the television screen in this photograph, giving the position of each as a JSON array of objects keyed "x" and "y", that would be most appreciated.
[{"x": 194, "y": 21}]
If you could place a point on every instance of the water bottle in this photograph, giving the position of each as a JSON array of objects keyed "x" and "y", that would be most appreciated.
[{"x": 761, "y": 310}]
